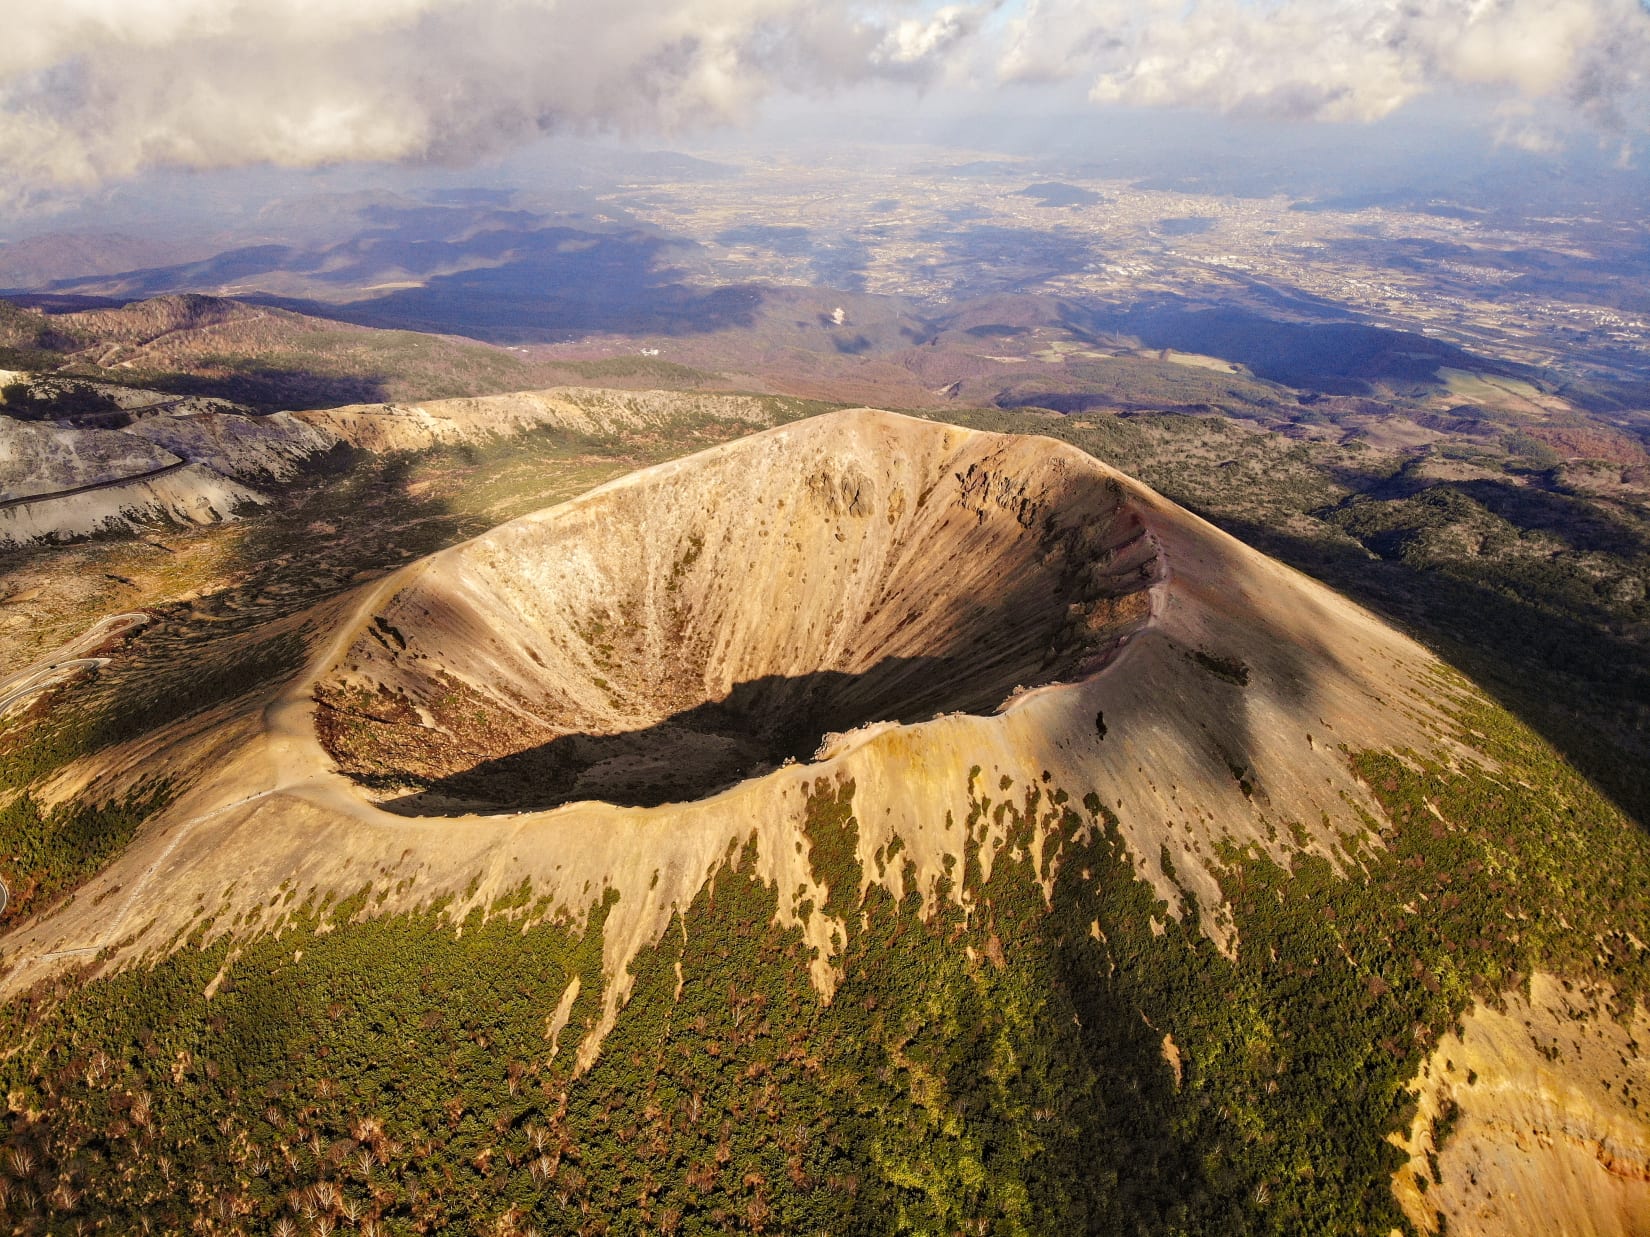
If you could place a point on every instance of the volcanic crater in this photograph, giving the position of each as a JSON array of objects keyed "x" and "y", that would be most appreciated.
[{"x": 705, "y": 621}]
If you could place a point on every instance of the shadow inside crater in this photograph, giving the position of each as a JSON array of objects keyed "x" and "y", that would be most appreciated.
[
  {"x": 761, "y": 724},
  {"x": 1005, "y": 595}
]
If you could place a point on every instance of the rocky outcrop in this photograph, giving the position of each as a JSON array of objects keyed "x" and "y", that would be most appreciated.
[
  {"x": 181, "y": 493},
  {"x": 194, "y": 460}
]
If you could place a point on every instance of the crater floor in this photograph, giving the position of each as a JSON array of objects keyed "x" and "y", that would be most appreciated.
[{"x": 704, "y": 621}]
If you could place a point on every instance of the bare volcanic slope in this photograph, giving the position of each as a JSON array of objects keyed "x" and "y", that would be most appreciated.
[
  {"x": 702, "y": 623},
  {"x": 695, "y": 623},
  {"x": 1207, "y": 897}
]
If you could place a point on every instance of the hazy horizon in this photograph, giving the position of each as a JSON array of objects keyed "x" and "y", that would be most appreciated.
[{"x": 178, "y": 113}]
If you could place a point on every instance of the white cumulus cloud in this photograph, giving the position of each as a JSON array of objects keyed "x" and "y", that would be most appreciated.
[
  {"x": 1340, "y": 60},
  {"x": 918, "y": 39},
  {"x": 97, "y": 90},
  {"x": 92, "y": 90}
]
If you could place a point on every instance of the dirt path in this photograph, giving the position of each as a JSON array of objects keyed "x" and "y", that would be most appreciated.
[{"x": 111, "y": 933}]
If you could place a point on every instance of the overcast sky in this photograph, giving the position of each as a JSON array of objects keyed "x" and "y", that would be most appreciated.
[{"x": 93, "y": 92}]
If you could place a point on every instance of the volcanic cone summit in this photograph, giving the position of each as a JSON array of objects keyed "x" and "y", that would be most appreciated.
[{"x": 706, "y": 620}]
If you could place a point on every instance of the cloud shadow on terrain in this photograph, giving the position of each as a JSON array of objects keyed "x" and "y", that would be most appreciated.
[
  {"x": 500, "y": 276},
  {"x": 1037, "y": 254},
  {"x": 551, "y": 284},
  {"x": 1053, "y": 193},
  {"x": 1615, "y": 275},
  {"x": 1582, "y": 526},
  {"x": 787, "y": 239},
  {"x": 272, "y": 388},
  {"x": 837, "y": 262},
  {"x": 1336, "y": 358},
  {"x": 1185, "y": 225}
]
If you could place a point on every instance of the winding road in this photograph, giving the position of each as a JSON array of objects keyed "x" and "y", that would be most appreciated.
[
  {"x": 65, "y": 661},
  {"x": 146, "y": 410},
  {"x": 95, "y": 485},
  {"x": 58, "y": 666}
]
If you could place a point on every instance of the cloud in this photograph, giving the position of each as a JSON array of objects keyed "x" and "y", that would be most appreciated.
[
  {"x": 922, "y": 40},
  {"x": 1338, "y": 60},
  {"x": 92, "y": 90},
  {"x": 98, "y": 90}
]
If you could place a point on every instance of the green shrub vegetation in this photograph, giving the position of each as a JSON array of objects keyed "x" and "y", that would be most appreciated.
[
  {"x": 45, "y": 852},
  {"x": 998, "y": 1060}
]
